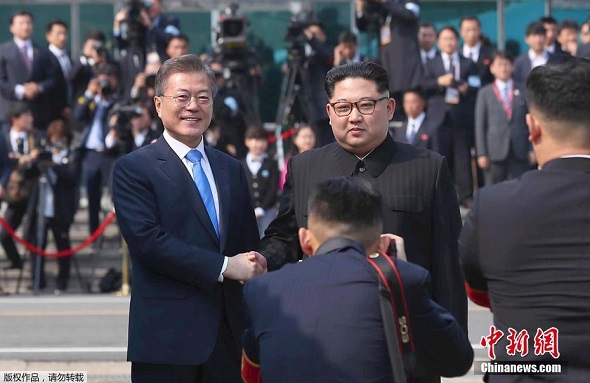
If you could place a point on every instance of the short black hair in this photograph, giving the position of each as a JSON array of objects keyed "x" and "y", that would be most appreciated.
[
  {"x": 16, "y": 109},
  {"x": 351, "y": 205},
  {"x": 548, "y": 20},
  {"x": 469, "y": 18},
  {"x": 427, "y": 24},
  {"x": 255, "y": 132},
  {"x": 347, "y": 37},
  {"x": 367, "y": 70},
  {"x": 417, "y": 91},
  {"x": 560, "y": 91},
  {"x": 21, "y": 13},
  {"x": 535, "y": 28},
  {"x": 180, "y": 36},
  {"x": 568, "y": 24},
  {"x": 448, "y": 28},
  {"x": 109, "y": 68},
  {"x": 55, "y": 22},
  {"x": 95, "y": 34},
  {"x": 502, "y": 55}
]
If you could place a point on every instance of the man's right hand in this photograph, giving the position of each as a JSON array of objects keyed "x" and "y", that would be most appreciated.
[
  {"x": 483, "y": 162},
  {"x": 245, "y": 266},
  {"x": 445, "y": 79}
]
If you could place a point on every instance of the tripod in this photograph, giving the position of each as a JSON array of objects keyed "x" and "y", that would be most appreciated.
[{"x": 290, "y": 93}]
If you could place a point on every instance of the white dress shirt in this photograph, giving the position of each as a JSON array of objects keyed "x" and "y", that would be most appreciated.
[
  {"x": 14, "y": 135},
  {"x": 181, "y": 151},
  {"x": 425, "y": 56},
  {"x": 538, "y": 60},
  {"x": 453, "y": 58},
  {"x": 415, "y": 124},
  {"x": 474, "y": 51}
]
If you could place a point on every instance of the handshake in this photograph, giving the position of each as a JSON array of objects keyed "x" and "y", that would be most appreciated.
[{"x": 245, "y": 266}]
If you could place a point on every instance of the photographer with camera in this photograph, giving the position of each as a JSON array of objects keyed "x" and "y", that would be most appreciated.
[
  {"x": 60, "y": 167},
  {"x": 91, "y": 113},
  {"x": 139, "y": 24},
  {"x": 131, "y": 127},
  {"x": 395, "y": 23},
  {"x": 94, "y": 54},
  {"x": 20, "y": 145}
]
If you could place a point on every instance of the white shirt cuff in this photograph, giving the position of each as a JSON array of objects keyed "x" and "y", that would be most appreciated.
[
  {"x": 220, "y": 279},
  {"x": 19, "y": 91}
]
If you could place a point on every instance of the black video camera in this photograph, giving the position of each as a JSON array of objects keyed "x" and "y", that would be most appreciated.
[
  {"x": 231, "y": 39},
  {"x": 134, "y": 26},
  {"x": 125, "y": 113}
]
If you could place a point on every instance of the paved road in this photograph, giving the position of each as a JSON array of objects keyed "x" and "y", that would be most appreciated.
[{"x": 89, "y": 332}]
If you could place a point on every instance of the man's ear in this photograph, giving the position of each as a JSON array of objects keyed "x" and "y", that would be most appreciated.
[
  {"x": 535, "y": 132},
  {"x": 305, "y": 240},
  {"x": 390, "y": 107},
  {"x": 158, "y": 104}
]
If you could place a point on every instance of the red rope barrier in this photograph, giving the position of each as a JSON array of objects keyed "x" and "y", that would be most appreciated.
[
  {"x": 63, "y": 253},
  {"x": 286, "y": 134}
]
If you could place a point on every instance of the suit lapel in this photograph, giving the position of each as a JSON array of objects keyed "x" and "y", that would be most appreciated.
[
  {"x": 222, "y": 181},
  {"x": 182, "y": 181}
]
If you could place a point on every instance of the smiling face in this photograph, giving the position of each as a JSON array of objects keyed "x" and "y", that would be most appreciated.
[
  {"x": 186, "y": 124},
  {"x": 359, "y": 133}
]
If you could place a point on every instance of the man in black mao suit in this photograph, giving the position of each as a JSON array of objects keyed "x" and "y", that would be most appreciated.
[
  {"x": 419, "y": 201},
  {"x": 185, "y": 212},
  {"x": 315, "y": 335},
  {"x": 474, "y": 49},
  {"x": 525, "y": 245},
  {"x": 27, "y": 72},
  {"x": 451, "y": 81},
  {"x": 420, "y": 129}
]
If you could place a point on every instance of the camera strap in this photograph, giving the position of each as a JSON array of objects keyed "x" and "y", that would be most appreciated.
[{"x": 395, "y": 315}]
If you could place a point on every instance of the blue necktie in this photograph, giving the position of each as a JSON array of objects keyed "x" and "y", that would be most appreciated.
[{"x": 194, "y": 156}]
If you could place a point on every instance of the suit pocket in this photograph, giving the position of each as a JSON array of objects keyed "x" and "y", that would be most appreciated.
[{"x": 412, "y": 204}]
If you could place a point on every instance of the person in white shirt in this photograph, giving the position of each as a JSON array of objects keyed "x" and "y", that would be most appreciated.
[
  {"x": 56, "y": 35},
  {"x": 535, "y": 56},
  {"x": 427, "y": 41}
]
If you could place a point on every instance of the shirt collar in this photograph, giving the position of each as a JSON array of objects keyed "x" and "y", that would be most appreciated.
[
  {"x": 453, "y": 56},
  {"x": 339, "y": 243},
  {"x": 533, "y": 55},
  {"x": 474, "y": 50},
  {"x": 501, "y": 84},
  {"x": 250, "y": 158},
  {"x": 181, "y": 149},
  {"x": 418, "y": 120},
  {"x": 375, "y": 162},
  {"x": 56, "y": 51},
  {"x": 20, "y": 43}
]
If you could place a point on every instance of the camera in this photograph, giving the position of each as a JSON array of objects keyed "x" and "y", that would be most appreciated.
[
  {"x": 295, "y": 35},
  {"x": 133, "y": 25},
  {"x": 231, "y": 39},
  {"x": 104, "y": 84},
  {"x": 150, "y": 81}
]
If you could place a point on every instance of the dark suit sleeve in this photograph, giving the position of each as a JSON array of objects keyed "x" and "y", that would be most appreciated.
[
  {"x": 481, "y": 127},
  {"x": 250, "y": 351},
  {"x": 6, "y": 86},
  {"x": 5, "y": 165},
  {"x": 50, "y": 71},
  {"x": 429, "y": 79},
  {"x": 449, "y": 290},
  {"x": 280, "y": 244},
  {"x": 271, "y": 196},
  {"x": 138, "y": 216},
  {"x": 442, "y": 347},
  {"x": 475, "y": 283}
]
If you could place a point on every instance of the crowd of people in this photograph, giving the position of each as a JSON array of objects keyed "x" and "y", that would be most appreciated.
[{"x": 388, "y": 149}]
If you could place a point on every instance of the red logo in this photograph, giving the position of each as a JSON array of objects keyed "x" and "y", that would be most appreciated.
[{"x": 545, "y": 342}]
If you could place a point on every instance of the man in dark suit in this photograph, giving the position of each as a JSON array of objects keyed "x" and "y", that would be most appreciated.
[
  {"x": 315, "y": 335},
  {"x": 185, "y": 212},
  {"x": 19, "y": 178},
  {"x": 91, "y": 115},
  {"x": 501, "y": 135},
  {"x": 524, "y": 247},
  {"x": 535, "y": 56},
  {"x": 56, "y": 35},
  {"x": 550, "y": 25},
  {"x": 480, "y": 54},
  {"x": 420, "y": 129},
  {"x": 27, "y": 72},
  {"x": 420, "y": 203},
  {"x": 451, "y": 81},
  {"x": 399, "y": 51},
  {"x": 427, "y": 42}
]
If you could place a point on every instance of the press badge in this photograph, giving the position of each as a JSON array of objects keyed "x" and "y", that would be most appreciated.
[
  {"x": 385, "y": 32},
  {"x": 452, "y": 96},
  {"x": 474, "y": 81}
]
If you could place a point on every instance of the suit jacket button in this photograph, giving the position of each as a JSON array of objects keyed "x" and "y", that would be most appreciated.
[
  {"x": 255, "y": 185},
  {"x": 362, "y": 170}
]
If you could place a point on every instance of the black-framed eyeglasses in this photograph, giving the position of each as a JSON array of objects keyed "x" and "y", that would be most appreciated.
[
  {"x": 365, "y": 106},
  {"x": 184, "y": 99}
]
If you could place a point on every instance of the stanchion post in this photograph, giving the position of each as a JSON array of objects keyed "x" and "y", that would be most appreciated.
[{"x": 125, "y": 287}]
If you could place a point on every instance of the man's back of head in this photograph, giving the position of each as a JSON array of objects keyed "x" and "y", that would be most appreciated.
[
  {"x": 559, "y": 120},
  {"x": 343, "y": 207}
]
